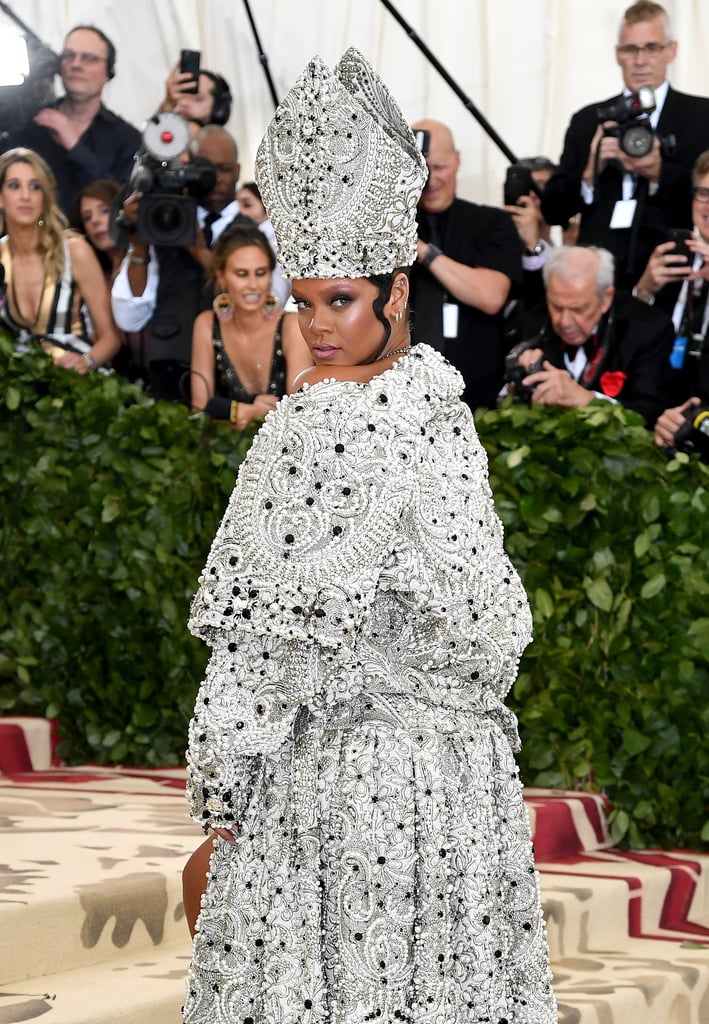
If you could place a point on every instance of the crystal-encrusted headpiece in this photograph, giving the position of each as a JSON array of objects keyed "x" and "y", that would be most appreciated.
[{"x": 340, "y": 174}]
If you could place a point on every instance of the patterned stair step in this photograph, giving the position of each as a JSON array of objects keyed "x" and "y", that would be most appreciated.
[
  {"x": 565, "y": 823},
  {"x": 147, "y": 988},
  {"x": 96, "y": 866},
  {"x": 645, "y": 982},
  {"x": 609, "y": 896}
]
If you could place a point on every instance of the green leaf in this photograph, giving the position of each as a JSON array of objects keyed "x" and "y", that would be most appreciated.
[
  {"x": 634, "y": 742},
  {"x": 518, "y": 455},
  {"x": 653, "y": 586},
  {"x": 12, "y": 398},
  {"x": 543, "y": 603},
  {"x": 599, "y": 594}
]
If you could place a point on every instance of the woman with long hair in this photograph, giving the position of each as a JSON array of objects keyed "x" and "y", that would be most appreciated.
[
  {"x": 52, "y": 276},
  {"x": 245, "y": 353},
  {"x": 94, "y": 216}
]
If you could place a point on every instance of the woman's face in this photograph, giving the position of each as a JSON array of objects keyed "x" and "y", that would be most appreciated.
[
  {"x": 338, "y": 321},
  {"x": 95, "y": 215},
  {"x": 21, "y": 196},
  {"x": 246, "y": 277},
  {"x": 250, "y": 206}
]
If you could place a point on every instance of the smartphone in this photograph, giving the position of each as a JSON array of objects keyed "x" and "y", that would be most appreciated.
[
  {"x": 189, "y": 65},
  {"x": 679, "y": 236},
  {"x": 519, "y": 182},
  {"x": 423, "y": 140}
]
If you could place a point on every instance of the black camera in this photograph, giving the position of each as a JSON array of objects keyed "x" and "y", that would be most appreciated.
[
  {"x": 167, "y": 209},
  {"x": 633, "y": 129},
  {"x": 515, "y": 372},
  {"x": 693, "y": 435}
]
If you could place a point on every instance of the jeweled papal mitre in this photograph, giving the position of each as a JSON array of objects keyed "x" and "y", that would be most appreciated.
[{"x": 340, "y": 174}]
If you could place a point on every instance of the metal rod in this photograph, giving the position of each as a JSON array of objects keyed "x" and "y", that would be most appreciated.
[
  {"x": 261, "y": 55},
  {"x": 466, "y": 101}
]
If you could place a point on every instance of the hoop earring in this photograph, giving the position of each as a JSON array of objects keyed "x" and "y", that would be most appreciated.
[{"x": 223, "y": 306}]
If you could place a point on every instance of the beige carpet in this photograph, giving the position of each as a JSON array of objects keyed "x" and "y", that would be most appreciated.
[{"x": 92, "y": 927}]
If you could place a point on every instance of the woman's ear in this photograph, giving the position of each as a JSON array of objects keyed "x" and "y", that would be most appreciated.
[{"x": 400, "y": 291}]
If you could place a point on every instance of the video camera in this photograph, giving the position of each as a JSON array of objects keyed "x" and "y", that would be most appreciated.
[
  {"x": 693, "y": 435},
  {"x": 633, "y": 130},
  {"x": 171, "y": 188}
]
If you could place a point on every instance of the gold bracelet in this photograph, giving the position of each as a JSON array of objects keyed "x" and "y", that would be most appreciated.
[{"x": 233, "y": 412}]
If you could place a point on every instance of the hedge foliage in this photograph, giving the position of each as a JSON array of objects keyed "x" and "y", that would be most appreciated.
[
  {"x": 110, "y": 502},
  {"x": 611, "y": 540}
]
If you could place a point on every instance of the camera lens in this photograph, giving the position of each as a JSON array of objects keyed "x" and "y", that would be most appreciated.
[
  {"x": 636, "y": 140},
  {"x": 166, "y": 218}
]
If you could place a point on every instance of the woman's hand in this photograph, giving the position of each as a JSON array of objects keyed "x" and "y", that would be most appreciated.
[
  {"x": 250, "y": 411},
  {"x": 73, "y": 361}
]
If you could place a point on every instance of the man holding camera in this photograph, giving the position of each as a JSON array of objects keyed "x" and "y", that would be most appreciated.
[
  {"x": 591, "y": 342},
  {"x": 162, "y": 288},
  {"x": 627, "y": 201}
]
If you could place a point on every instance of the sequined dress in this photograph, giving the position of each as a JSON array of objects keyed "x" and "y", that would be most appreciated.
[{"x": 365, "y": 626}]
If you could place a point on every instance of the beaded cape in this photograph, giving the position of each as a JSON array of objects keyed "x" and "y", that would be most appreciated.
[{"x": 365, "y": 625}]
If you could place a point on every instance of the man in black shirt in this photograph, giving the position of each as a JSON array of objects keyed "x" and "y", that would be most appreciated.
[
  {"x": 80, "y": 139},
  {"x": 468, "y": 257}
]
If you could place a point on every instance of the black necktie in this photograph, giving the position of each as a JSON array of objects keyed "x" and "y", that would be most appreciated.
[
  {"x": 696, "y": 301},
  {"x": 207, "y": 227}
]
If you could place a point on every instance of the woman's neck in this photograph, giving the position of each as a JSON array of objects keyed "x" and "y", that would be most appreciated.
[{"x": 24, "y": 241}]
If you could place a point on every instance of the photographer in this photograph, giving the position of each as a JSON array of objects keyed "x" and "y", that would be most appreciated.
[
  {"x": 676, "y": 279},
  {"x": 627, "y": 202},
  {"x": 162, "y": 288},
  {"x": 591, "y": 341}
]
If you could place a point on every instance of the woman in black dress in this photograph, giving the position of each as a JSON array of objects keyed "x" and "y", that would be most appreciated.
[{"x": 245, "y": 356}]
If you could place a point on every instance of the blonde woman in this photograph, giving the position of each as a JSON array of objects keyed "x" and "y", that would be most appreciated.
[{"x": 56, "y": 293}]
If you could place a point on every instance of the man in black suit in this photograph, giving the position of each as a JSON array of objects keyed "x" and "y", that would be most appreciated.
[
  {"x": 592, "y": 341},
  {"x": 677, "y": 282},
  {"x": 627, "y": 203}
]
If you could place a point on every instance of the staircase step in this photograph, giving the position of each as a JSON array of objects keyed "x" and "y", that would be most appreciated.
[
  {"x": 92, "y": 925},
  {"x": 130, "y": 989},
  {"x": 600, "y": 899},
  {"x": 98, "y": 867},
  {"x": 643, "y": 982}
]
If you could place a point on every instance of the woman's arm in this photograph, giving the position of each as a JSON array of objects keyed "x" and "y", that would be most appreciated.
[
  {"x": 202, "y": 364},
  {"x": 295, "y": 350},
  {"x": 93, "y": 290},
  {"x": 202, "y": 380}
]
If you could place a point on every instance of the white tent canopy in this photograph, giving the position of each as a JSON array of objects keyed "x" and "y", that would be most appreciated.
[{"x": 525, "y": 64}]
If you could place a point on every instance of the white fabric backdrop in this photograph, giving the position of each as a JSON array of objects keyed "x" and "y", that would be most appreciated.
[{"x": 525, "y": 64}]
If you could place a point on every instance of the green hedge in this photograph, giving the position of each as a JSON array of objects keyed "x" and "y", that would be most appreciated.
[
  {"x": 610, "y": 538},
  {"x": 110, "y": 502}
]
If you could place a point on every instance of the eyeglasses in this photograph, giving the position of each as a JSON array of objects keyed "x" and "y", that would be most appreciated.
[
  {"x": 701, "y": 194},
  {"x": 650, "y": 50},
  {"x": 87, "y": 59}
]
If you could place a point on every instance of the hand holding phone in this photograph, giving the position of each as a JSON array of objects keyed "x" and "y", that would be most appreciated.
[
  {"x": 189, "y": 65},
  {"x": 680, "y": 236},
  {"x": 518, "y": 183}
]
